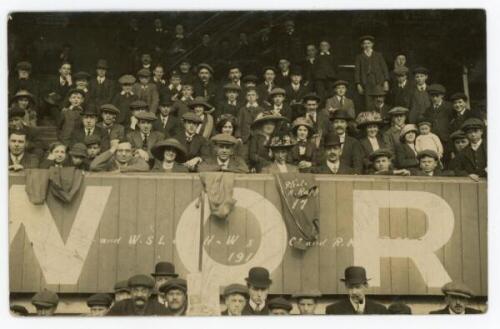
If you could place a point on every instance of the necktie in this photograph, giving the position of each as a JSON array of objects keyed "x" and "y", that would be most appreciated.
[
  {"x": 342, "y": 100},
  {"x": 88, "y": 132},
  {"x": 145, "y": 142}
]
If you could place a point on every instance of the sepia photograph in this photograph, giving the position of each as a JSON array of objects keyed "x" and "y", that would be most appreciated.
[{"x": 247, "y": 162}]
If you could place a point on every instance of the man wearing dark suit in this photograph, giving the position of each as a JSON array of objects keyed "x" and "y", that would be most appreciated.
[
  {"x": 333, "y": 163},
  {"x": 296, "y": 89},
  {"x": 440, "y": 112},
  {"x": 258, "y": 283},
  {"x": 89, "y": 128},
  {"x": 457, "y": 296},
  {"x": 145, "y": 138},
  {"x": 101, "y": 88},
  {"x": 309, "y": 65},
  {"x": 283, "y": 75},
  {"x": 326, "y": 70},
  {"x": 235, "y": 298},
  {"x": 400, "y": 94},
  {"x": 109, "y": 114},
  {"x": 267, "y": 85},
  {"x": 19, "y": 159},
  {"x": 357, "y": 303},
  {"x": 24, "y": 81},
  {"x": 378, "y": 104},
  {"x": 232, "y": 101},
  {"x": 339, "y": 100},
  {"x": 146, "y": 90},
  {"x": 472, "y": 161},
  {"x": 62, "y": 83},
  {"x": 352, "y": 155},
  {"x": 197, "y": 148},
  {"x": 460, "y": 111},
  {"x": 166, "y": 122},
  {"x": 224, "y": 159},
  {"x": 204, "y": 85}
]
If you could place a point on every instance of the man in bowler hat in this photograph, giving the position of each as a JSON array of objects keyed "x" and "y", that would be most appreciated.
[
  {"x": 164, "y": 271},
  {"x": 258, "y": 283},
  {"x": 356, "y": 284},
  {"x": 456, "y": 296}
]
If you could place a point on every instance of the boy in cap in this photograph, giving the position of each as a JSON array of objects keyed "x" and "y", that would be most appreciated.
[
  {"x": 119, "y": 158},
  {"x": 224, "y": 159},
  {"x": 166, "y": 122},
  {"x": 181, "y": 105},
  {"x": 135, "y": 108},
  {"x": 339, "y": 100},
  {"x": 248, "y": 113},
  {"x": 81, "y": 79},
  {"x": 279, "y": 306},
  {"x": 146, "y": 90},
  {"x": 370, "y": 69},
  {"x": 93, "y": 144},
  {"x": 102, "y": 89},
  {"x": 175, "y": 292},
  {"x": 429, "y": 165},
  {"x": 70, "y": 115},
  {"x": 333, "y": 163},
  {"x": 99, "y": 304},
  {"x": 400, "y": 93},
  {"x": 89, "y": 128},
  {"x": 109, "y": 115},
  {"x": 173, "y": 90},
  {"x": 277, "y": 105},
  {"x": 231, "y": 103},
  {"x": 457, "y": 297},
  {"x": 381, "y": 163},
  {"x": 145, "y": 137},
  {"x": 19, "y": 158},
  {"x": 377, "y": 103},
  {"x": 326, "y": 70},
  {"x": 357, "y": 303},
  {"x": 45, "y": 302},
  {"x": 258, "y": 283},
  {"x": 123, "y": 99},
  {"x": 235, "y": 299},
  {"x": 458, "y": 141},
  {"x": 280, "y": 147},
  {"x": 196, "y": 146},
  {"x": 461, "y": 111},
  {"x": 307, "y": 302},
  {"x": 139, "y": 303},
  {"x": 473, "y": 160},
  {"x": 420, "y": 99},
  {"x": 78, "y": 156}
]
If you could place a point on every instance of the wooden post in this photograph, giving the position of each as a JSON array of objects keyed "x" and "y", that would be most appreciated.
[
  {"x": 202, "y": 224},
  {"x": 465, "y": 79}
]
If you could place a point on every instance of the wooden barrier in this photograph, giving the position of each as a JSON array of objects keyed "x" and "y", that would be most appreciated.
[{"x": 136, "y": 218}]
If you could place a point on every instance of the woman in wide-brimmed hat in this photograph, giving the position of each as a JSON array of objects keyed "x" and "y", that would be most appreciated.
[
  {"x": 169, "y": 155},
  {"x": 304, "y": 153},
  {"x": 406, "y": 154},
  {"x": 279, "y": 147},
  {"x": 25, "y": 100},
  {"x": 201, "y": 108},
  {"x": 369, "y": 125},
  {"x": 263, "y": 128}
]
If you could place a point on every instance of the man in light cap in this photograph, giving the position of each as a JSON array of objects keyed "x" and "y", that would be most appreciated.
[
  {"x": 109, "y": 115},
  {"x": 457, "y": 297},
  {"x": 140, "y": 302},
  {"x": 99, "y": 304},
  {"x": 175, "y": 291},
  {"x": 196, "y": 145},
  {"x": 146, "y": 90},
  {"x": 400, "y": 93},
  {"x": 124, "y": 98},
  {"x": 224, "y": 160},
  {"x": 258, "y": 283},
  {"x": 235, "y": 298},
  {"x": 428, "y": 165},
  {"x": 307, "y": 302},
  {"x": 45, "y": 302},
  {"x": 473, "y": 160},
  {"x": 204, "y": 85},
  {"x": 356, "y": 284},
  {"x": 119, "y": 158},
  {"x": 280, "y": 306}
]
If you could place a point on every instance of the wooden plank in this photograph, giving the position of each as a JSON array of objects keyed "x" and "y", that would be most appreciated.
[
  {"x": 345, "y": 229},
  {"x": 145, "y": 225},
  {"x": 182, "y": 198},
  {"x": 417, "y": 227},
  {"x": 278, "y": 275},
  {"x": 482, "y": 193},
  {"x": 470, "y": 237},
  {"x": 453, "y": 249},
  {"x": 127, "y": 228},
  {"x": 328, "y": 232},
  {"x": 108, "y": 238},
  {"x": 384, "y": 231},
  {"x": 16, "y": 260},
  {"x": 398, "y": 219},
  {"x": 164, "y": 215}
]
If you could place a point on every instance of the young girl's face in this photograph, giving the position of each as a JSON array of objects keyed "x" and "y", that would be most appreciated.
[
  {"x": 227, "y": 128},
  {"x": 268, "y": 128},
  {"x": 75, "y": 99},
  {"x": 59, "y": 153},
  {"x": 424, "y": 129},
  {"x": 302, "y": 132},
  {"x": 410, "y": 137},
  {"x": 23, "y": 103}
]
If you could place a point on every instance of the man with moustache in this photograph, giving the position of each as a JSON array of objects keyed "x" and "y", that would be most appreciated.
[
  {"x": 456, "y": 296},
  {"x": 175, "y": 292},
  {"x": 139, "y": 302},
  {"x": 224, "y": 159},
  {"x": 258, "y": 283},
  {"x": 356, "y": 284},
  {"x": 235, "y": 298}
]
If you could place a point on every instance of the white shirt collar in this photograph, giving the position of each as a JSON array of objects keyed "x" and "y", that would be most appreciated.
[
  {"x": 476, "y": 146},
  {"x": 223, "y": 164},
  {"x": 282, "y": 167},
  {"x": 256, "y": 307},
  {"x": 334, "y": 166},
  {"x": 167, "y": 165},
  {"x": 123, "y": 92},
  {"x": 16, "y": 158},
  {"x": 360, "y": 308}
]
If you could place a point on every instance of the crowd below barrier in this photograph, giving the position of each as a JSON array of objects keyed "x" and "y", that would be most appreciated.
[
  {"x": 296, "y": 117},
  {"x": 164, "y": 293}
]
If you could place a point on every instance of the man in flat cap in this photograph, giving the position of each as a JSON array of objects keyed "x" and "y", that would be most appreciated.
[
  {"x": 456, "y": 296},
  {"x": 164, "y": 271},
  {"x": 102, "y": 89},
  {"x": 175, "y": 292},
  {"x": 146, "y": 90},
  {"x": 232, "y": 100},
  {"x": 140, "y": 303},
  {"x": 307, "y": 302},
  {"x": 339, "y": 100},
  {"x": 400, "y": 93},
  {"x": 18, "y": 310},
  {"x": 370, "y": 69},
  {"x": 461, "y": 111},
  {"x": 109, "y": 115},
  {"x": 378, "y": 103},
  {"x": 121, "y": 290},
  {"x": 277, "y": 104},
  {"x": 224, "y": 160},
  {"x": 124, "y": 98},
  {"x": 279, "y": 306},
  {"x": 235, "y": 298},
  {"x": 119, "y": 158},
  {"x": 420, "y": 99},
  {"x": 45, "y": 302},
  {"x": 205, "y": 85},
  {"x": 258, "y": 283},
  {"x": 458, "y": 142},
  {"x": 89, "y": 128},
  {"x": 145, "y": 138},
  {"x": 428, "y": 165},
  {"x": 381, "y": 164},
  {"x": 356, "y": 284},
  {"x": 397, "y": 118},
  {"x": 99, "y": 304},
  {"x": 196, "y": 145},
  {"x": 439, "y": 114},
  {"x": 473, "y": 160}
]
